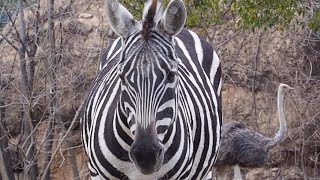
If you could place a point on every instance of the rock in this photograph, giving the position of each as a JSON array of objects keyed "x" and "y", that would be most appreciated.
[
  {"x": 93, "y": 22},
  {"x": 77, "y": 27},
  {"x": 85, "y": 16},
  {"x": 76, "y": 53}
]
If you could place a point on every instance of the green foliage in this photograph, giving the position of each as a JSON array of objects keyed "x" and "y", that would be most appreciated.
[
  {"x": 249, "y": 14},
  {"x": 204, "y": 12},
  {"x": 315, "y": 21},
  {"x": 135, "y": 7},
  {"x": 265, "y": 14},
  {"x": 200, "y": 12}
]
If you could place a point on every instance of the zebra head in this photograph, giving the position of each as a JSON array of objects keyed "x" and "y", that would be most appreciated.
[{"x": 149, "y": 79}]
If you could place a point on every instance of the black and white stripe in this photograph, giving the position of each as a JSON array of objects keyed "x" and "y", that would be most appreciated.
[{"x": 167, "y": 87}]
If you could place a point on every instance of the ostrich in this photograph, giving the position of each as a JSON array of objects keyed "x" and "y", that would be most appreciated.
[{"x": 242, "y": 147}]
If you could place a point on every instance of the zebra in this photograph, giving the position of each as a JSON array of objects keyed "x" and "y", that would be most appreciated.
[{"x": 154, "y": 109}]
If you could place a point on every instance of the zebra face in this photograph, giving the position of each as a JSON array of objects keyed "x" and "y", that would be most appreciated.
[
  {"x": 149, "y": 79},
  {"x": 149, "y": 88}
]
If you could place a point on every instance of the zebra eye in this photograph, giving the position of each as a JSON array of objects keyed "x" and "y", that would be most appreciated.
[{"x": 171, "y": 76}]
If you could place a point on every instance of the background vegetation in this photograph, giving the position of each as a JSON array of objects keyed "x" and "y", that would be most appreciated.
[
  {"x": 50, "y": 53},
  {"x": 249, "y": 14}
]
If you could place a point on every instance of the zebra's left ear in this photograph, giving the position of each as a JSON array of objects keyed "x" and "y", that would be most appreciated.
[
  {"x": 174, "y": 18},
  {"x": 120, "y": 19}
]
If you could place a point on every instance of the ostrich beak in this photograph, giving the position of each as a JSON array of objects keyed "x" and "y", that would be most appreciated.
[{"x": 286, "y": 86}]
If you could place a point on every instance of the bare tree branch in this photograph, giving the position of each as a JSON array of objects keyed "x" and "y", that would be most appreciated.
[
  {"x": 33, "y": 47},
  {"x": 30, "y": 165},
  {"x": 63, "y": 138},
  {"x": 253, "y": 87},
  {"x": 5, "y": 163},
  {"x": 51, "y": 64},
  {"x": 9, "y": 42}
]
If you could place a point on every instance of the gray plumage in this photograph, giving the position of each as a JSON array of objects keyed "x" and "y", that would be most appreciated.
[
  {"x": 240, "y": 145},
  {"x": 244, "y": 147}
]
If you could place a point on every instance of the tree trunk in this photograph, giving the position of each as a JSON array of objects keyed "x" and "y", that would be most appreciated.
[
  {"x": 30, "y": 165},
  {"x": 51, "y": 64},
  {"x": 5, "y": 165},
  {"x": 71, "y": 156},
  {"x": 53, "y": 97},
  {"x": 33, "y": 48},
  {"x": 73, "y": 164}
]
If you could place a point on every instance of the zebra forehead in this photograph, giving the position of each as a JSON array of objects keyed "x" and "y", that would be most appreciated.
[{"x": 147, "y": 58}]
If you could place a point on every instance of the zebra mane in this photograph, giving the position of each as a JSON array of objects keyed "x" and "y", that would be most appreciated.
[{"x": 151, "y": 16}]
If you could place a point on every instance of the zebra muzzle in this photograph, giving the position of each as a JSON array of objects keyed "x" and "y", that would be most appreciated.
[{"x": 147, "y": 156}]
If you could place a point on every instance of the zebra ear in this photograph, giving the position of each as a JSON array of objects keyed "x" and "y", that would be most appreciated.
[
  {"x": 174, "y": 18},
  {"x": 119, "y": 18}
]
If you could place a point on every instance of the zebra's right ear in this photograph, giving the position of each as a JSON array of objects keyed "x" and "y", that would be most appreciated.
[
  {"x": 174, "y": 18},
  {"x": 120, "y": 19}
]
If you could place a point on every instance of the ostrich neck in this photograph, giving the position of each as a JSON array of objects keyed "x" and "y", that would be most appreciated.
[{"x": 282, "y": 122}]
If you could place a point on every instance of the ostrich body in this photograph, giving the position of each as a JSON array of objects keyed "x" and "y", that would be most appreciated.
[{"x": 243, "y": 147}]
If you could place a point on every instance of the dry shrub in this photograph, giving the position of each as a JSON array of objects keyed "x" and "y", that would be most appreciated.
[{"x": 253, "y": 66}]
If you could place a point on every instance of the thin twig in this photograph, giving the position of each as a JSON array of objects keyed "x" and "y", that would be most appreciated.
[
  {"x": 9, "y": 42},
  {"x": 63, "y": 138},
  {"x": 21, "y": 35},
  {"x": 254, "y": 79},
  {"x": 227, "y": 40}
]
